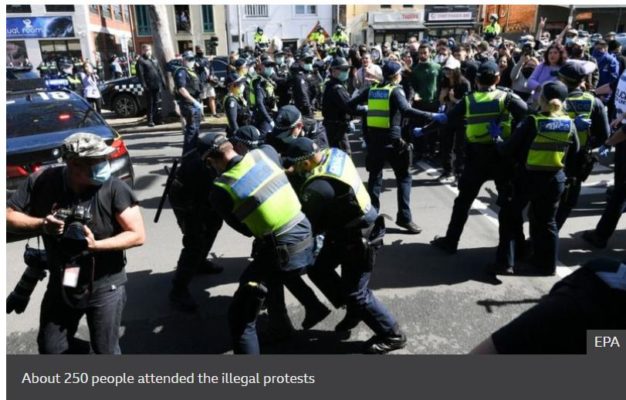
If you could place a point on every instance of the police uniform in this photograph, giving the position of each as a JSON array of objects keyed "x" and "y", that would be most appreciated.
[
  {"x": 478, "y": 111},
  {"x": 281, "y": 79},
  {"x": 317, "y": 37},
  {"x": 236, "y": 108},
  {"x": 338, "y": 206},
  {"x": 543, "y": 143},
  {"x": 255, "y": 198},
  {"x": 301, "y": 88},
  {"x": 186, "y": 78},
  {"x": 286, "y": 120},
  {"x": 581, "y": 105},
  {"x": 265, "y": 100},
  {"x": 340, "y": 37},
  {"x": 387, "y": 105}
]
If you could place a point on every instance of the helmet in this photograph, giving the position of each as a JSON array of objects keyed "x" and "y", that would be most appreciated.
[{"x": 494, "y": 17}]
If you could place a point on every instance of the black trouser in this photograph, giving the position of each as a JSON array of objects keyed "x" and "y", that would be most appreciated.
[
  {"x": 152, "y": 105},
  {"x": 337, "y": 134},
  {"x": 452, "y": 147},
  {"x": 96, "y": 103},
  {"x": 199, "y": 225},
  {"x": 425, "y": 145},
  {"x": 579, "y": 173}
]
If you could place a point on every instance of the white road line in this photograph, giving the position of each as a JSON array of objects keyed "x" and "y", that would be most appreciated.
[{"x": 492, "y": 216}]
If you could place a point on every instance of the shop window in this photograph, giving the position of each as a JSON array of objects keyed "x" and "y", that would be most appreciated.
[
  {"x": 407, "y": 6},
  {"x": 53, "y": 49},
  {"x": 15, "y": 9},
  {"x": 117, "y": 12},
  {"x": 59, "y": 8},
  {"x": 106, "y": 11},
  {"x": 143, "y": 21},
  {"x": 306, "y": 10},
  {"x": 207, "y": 19},
  {"x": 183, "y": 22},
  {"x": 16, "y": 53}
]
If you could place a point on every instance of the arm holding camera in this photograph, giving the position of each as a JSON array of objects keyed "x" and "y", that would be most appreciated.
[
  {"x": 132, "y": 235},
  {"x": 18, "y": 221}
]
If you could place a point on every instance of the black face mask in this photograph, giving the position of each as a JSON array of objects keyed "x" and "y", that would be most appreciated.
[
  {"x": 576, "y": 52},
  {"x": 527, "y": 71},
  {"x": 200, "y": 55}
]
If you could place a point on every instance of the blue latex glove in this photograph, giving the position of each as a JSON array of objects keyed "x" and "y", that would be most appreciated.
[
  {"x": 197, "y": 105},
  {"x": 418, "y": 132},
  {"x": 442, "y": 108},
  {"x": 495, "y": 131},
  {"x": 362, "y": 108},
  {"x": 272, "y": 124},
  {"x": 440, "y": 118},
  {"x": 604, "y": 151},
  {"x": 582, "y": 124},
  {"x": 351, "y": 127}
]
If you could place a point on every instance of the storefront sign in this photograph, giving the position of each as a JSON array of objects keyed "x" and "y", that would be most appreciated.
[
  {"x": 441, "y": 14},
  {"x": 397, "y": 17},
  {"x": 450, "y": 16},
  {"x": 39, "y": 27}
]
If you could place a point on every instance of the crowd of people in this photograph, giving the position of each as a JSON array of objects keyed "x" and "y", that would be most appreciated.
[{"x": 531, "y": 115}]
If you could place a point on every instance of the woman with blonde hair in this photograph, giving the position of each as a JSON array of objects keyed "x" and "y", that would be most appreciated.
[{"x": 541, "y": 146}]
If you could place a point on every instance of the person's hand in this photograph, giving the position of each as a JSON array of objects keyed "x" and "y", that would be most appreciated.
[
  {"x": 440, "y": 118},
  {"x": 604, "y": 150},
  {"x": 495, "y": 130},
  {"x": 351, "y": 127},
  {"x": 196, "y": 104},
  {"x": 616, "y": 122},
  {"x": 363, "y": 108},
  {"x": 92, "y": 243},
  {"x": 416, "y": 97},
  {"x": 542, "y": 22},
  {"x": 582, "y": 123},
  {"x": 272, "y": 124},
  {"x": 417, "y": 132},
  {"x": 52, "y": 226}
]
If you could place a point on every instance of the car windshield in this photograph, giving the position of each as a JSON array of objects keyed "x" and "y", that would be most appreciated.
[{"x": 46, "y": 113}]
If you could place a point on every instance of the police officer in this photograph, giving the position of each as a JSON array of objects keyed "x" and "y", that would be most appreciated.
[
  {"x": 488, "y": 114},
  {"x": 187, "y": 95},
  {"x": 592, "y": 124},
  {"x": 386, "y": 106},
  {"x": 291, "y": 124},
  {"x": 544, "y": 143},
  {"x": 340, "y": 36},
  {"x": 265, "y": 97},
  {"x": 254, "y": 197},
  {"x": 302, "y": 92},
  {"x": 238, "y": 113},
  {"x": 318, "y": 36},
  {"x": 67, "y": 72},
  {"x": 189, "y": 197},
  {"x": 336, "y": 109},
  {"x": 337, "y": 204},
  {"x": 493, "y": 29},
  {"x": 261, "y": 41},
  {"x": 281, "y": 78}
]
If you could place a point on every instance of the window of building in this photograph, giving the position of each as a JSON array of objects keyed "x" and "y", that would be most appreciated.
[
  {"x": 256, "y": 11},
  {"x": 407, "y": 6},
  {"x": 385, "y": 6},
  {"x": 106, "y": 11},
  {"x": 143, "y": 21},
  {"x": 58, "y": 48},
  {"x": 117, "y": 12},
  {"x": 306, "y": 10},
  {"x": 184, "y": 45},
  {"x": 209, "y": 48},
  {"x": 126, "y": 9},
  {"x": 14, "y": 9},
  {"x": 59, "y": 8},
  {"x": 207, "y": 19},
  {"x": 183, "y": 21},
  {"x": 16, "y": 53},
  {"x": 94, "y": 9}
]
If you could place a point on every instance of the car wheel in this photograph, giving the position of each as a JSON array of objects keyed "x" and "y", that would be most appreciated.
[{"x": 125, "y": 106}]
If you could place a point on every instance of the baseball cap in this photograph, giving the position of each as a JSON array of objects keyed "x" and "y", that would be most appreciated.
[
  {"x": 452, "y": 63},
  {"x": 85, "y": 145}
]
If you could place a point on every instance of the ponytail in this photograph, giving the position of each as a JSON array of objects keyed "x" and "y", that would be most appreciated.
[{"x": 554, "y": 106}]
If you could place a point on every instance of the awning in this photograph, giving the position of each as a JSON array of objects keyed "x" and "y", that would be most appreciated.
[{"x": 395, "y": 26}]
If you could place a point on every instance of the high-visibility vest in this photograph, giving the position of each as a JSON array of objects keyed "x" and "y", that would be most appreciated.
[
  {"x": 339, "y": 166},
  {"x": 133, "y": 68},
  {"x": 481, "y": 108},
  {"x": 581, "y": 104},
  {"x": 493, "y": 29},
  {"x": 547, "y": 151},
  {"x": 340, "y": 37},
  {"x": 260, "y": 38},
  {"x": 251, "y": 94},
  {"x": 264, "y": 200},
  {"x": 378, "y": 103},
  {"x": 317, "y": 37}
]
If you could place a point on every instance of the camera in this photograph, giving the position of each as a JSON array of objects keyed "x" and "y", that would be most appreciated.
[
  {"x": 73, "y": 241},
  {"x": 36, "y": 265}
]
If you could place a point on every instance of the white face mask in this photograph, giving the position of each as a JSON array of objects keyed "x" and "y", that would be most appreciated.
[{"x": 190, "y": 64}]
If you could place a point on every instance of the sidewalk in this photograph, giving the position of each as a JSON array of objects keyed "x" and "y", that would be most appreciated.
[{"x": 132, "y": 125}]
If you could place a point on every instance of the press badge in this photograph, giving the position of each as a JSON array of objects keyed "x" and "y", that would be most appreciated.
[{"x": 70, "y": 275}]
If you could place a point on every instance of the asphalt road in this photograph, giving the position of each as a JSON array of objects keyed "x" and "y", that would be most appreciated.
[{"x": 445, "y": 304}]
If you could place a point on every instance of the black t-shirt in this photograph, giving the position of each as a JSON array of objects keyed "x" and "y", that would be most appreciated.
[
  {"x": 461, "y": 88},
  {"x": 47, "y": 191}
]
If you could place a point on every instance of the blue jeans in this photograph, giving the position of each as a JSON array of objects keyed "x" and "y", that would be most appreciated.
[{"x": 58, "y": 321}]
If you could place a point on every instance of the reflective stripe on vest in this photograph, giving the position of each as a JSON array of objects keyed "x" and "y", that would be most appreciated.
[
  {"x": 378, "y": 103},
  {"x": 339, "y": 166},
  {"x": 263, "y": 199},
  {"x": 548, "y": 149},
  {"x": 580, "y": 105},
  {"x": 481, "y": 108}
]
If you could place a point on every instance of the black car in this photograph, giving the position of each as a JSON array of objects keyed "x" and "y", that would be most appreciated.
[
  {"x": 124, "y": 96},
  {"x": 37, "y": 123}
]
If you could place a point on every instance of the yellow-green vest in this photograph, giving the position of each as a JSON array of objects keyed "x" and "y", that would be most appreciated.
[
  {"x": 581, "y": 104},
  {"x": 481, "y": 108},
  {"x": 133, "y": 68},
  {"x": 547, "y": 151},
  {"x": 339, "y": 166},
  {"x": 263, "y": 199},
  {"x": 340, "y": 37},
  {"x": 317, "y": 37},
  {"x": 494, "y": 29},
  {"x": 251, "y": 94},
  {"x": 378, "y": 103},
  {"x": 260, "y": 38}
]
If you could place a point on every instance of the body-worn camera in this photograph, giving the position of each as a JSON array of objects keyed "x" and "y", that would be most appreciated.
[{"x": 36, "y": 265}]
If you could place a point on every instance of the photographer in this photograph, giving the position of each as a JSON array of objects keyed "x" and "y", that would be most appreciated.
[{"x": 87, "y": 219}]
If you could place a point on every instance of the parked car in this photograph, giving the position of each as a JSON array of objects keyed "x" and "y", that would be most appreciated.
[
  {"x": 21, "y": 73},
  {"x": 125, "y": 96},
  {"x": 37, "y": 123}
]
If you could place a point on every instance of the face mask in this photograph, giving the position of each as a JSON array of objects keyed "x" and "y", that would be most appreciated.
[
  {"x": 190, "y": 64},
  {"x": 527, "y": 72},
  {"x": 440, "y": 58},
  {"x": 252, "y": 73},
  {"x": 307, "y": 67},
  {"x": 343, "y": 76},
  {"x": 100, "y": 172},
  {"x": 280, "y": 60},
  {"x": 149, "y": 54},
  {"x": 200, "y": 55},
  {"x": 569, "y": 41},
  {"x": 597, "y": 53},
  {"x": 269, "y": 71}
]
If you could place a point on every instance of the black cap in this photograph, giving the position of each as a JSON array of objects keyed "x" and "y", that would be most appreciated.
[
  {"x": 391, "y": 68},
  {"x": 267, "y": 61},
  {"x": 240, "y": 62},
  {"x": 340, "y": 63},
  {"x": 554, "y": 90},
  {"x": 209, "y": 143},
  {"x": 188, "y": 55},
  {"x": 488, "y": 68},
  {"x": 233, "y": 78},
  {"x": 248, "y": 135},
  {"x": 572, "y": 72},
  {"x": 300, "y": 149},
  {"x": 287, "y": 118},
  {"x": 279, "y": 53}
]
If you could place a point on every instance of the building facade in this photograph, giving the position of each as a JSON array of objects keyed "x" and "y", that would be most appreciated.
[
  {"x": 290, "y": 23},
  {"x": 375, "y": 24},
  {"x": 445, "y": 21}
]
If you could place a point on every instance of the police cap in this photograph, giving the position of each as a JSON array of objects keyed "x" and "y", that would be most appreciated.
[
  {"x": 488, "y": 68},
  {"x": 391, "y": 68},
  {"x": 188, "y": 55},
  {"x": 572, "y": 72},
  {"x": 233, "y": 78},
  {"x": 554, "y": 90},
  {"x": 339, "y": 63},
  {"x": 248, "y": 135},
  {"x": 267, "y": 61},
  {"x": 209, "y": 144},
  {"x": 300, "y": 149}
]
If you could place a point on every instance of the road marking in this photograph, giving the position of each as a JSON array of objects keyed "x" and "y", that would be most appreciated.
[{"x": 482, "y": 207}]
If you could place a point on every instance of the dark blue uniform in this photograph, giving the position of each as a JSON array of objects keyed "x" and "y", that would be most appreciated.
[
  {"x": 192, "y": 115},
  {"x": 301, "y": 91},
  {"x": 237, "y": 114},
  {"x": 265, "y": 103},
  {"x": 336, "y": 111}
]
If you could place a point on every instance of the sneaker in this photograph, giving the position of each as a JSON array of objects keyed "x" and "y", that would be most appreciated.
[
  {"x": 385, "y": 344},
  {"x": 409, "y": 226},
  {"x": 446, "y": 178},
  {"x": 312, "y": 318},
  {"x": 445, "y": 244},
  {"x": 209, "y": 267},
  {"x": 182, "y": 300},
  {"x": 594, "y": 239},
  {"x": 350, "y": 321}
]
